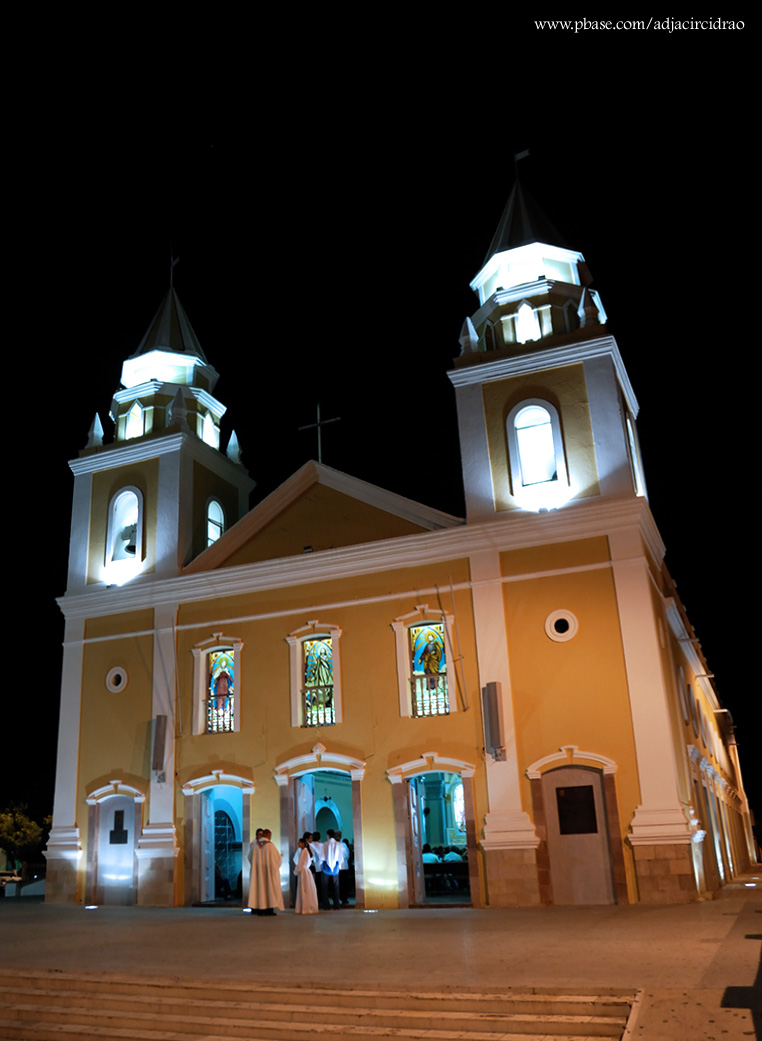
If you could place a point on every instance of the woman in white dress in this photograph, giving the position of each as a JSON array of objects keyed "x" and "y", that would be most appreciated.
[{"x": 306, "y": 893}]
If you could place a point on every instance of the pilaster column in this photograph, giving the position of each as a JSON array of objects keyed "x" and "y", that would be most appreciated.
[
  {"x": 64, "y": 849},
  {"x": 157, "y": 849}
]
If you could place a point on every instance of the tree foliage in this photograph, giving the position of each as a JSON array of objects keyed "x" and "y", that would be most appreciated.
[{"x": 20, "y": 836}]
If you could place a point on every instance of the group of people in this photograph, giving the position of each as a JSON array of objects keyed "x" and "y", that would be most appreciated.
[{"x": 317, "y": 865}]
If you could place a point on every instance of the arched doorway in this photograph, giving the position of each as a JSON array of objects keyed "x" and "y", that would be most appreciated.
[
  {"x": 322, "y": 790},
  {"x": 580, "y": 859},
  {"x": 218, "y": 835},
  {"x": 114, "y": 822},
  {"x": 581, "y": 870},
  {"x": 435, "y": 825},
  {"x": 438, "y": 847}
]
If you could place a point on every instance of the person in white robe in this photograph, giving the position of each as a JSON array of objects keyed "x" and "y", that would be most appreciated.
[
  {"x": 265, "y": 894},
  {"x": 306, "y": 893}
]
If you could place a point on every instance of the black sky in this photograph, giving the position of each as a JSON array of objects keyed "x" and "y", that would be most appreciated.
[{"x": 330, "y": 198}]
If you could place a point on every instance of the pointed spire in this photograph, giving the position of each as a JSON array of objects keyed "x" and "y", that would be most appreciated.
[
  {"x": 522, "y": 223},
  {"x": 179, "y": 411},
  {"x": 469, "y": 341},
  {"x": 233, "y": 450},
  {"x": 171, "y": 330},
  {"x": 95, "y": 433}
]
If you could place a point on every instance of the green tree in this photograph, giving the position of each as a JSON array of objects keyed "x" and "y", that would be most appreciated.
[{"x": 20, "y": 836}]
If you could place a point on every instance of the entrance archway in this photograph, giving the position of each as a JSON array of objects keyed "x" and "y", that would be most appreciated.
[
  {"x": 580, "y": 859},
  {"x": 578, "y": 840},
  {"x": 114, "y": 823},
  {"x": 322, "y": 790},
  {"x": 217, "y": 837},
  {"x": 436, "y": 833}
]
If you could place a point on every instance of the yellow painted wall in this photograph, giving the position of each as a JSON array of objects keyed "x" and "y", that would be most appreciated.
[
  {"x": 574, "y": 692},
  {"x": 372, "y": 729},
  {"x": 323, "y": 519}
]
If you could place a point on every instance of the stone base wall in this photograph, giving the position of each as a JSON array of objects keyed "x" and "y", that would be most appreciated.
[
  {"x": 512, "y": 878},
  {"x": 156, "y": 881},
  {"x": 61, "y": 882},
  {"x": 665, "y": 874}
]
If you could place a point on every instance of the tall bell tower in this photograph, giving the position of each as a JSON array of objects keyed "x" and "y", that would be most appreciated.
[
  {"x": 545, "y": 406},
  {"x": 144, "y": 506},
  {"x": 152, "y": 500}
]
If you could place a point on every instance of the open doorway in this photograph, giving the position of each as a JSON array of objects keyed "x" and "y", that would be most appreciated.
[
  {"x": 438, "y": 853},
  {"x": 221, "y": 845},
  {"x": 323, "y": 801}
]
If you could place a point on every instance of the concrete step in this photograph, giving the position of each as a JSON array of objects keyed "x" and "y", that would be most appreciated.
[{"x": 43, "y": 1006}]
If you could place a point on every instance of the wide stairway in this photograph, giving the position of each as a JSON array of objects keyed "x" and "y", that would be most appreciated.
[{"x": 51, "y": 1006}]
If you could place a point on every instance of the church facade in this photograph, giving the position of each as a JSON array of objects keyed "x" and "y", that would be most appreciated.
[{"x": 521, "y": 687}]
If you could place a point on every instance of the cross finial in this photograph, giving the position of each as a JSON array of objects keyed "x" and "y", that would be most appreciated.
[
  {"x": 172, "y": 261},
  {"x": 319, "y": 424}
]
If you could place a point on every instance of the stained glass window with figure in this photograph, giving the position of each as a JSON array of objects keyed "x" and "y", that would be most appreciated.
[
  {"x": 221, "y": 691},
  {"x": 429, "y": 670},
  {"x": 318, "y": 682}
]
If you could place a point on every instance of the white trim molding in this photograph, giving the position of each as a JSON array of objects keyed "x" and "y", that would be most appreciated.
[
  {"x": 430, "y": 762},
  {"x": 318, "y": 758},
  {"x": 566, "y": 756}
]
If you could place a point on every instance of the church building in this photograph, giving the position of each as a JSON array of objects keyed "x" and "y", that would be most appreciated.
[{"x": 536, "y": 702}]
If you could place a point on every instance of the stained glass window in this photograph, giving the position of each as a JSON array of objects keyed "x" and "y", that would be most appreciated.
[
  {"x": 220, "y": 704},
  {"x": 318, "y": 682},
  {"x": 429, "y": 670}
]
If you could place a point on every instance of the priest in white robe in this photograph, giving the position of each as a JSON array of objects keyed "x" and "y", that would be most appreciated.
[{"x": 265, "y": 893}]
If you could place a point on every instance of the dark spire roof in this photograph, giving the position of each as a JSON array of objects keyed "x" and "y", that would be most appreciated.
[
  {"x": 170, "y": 330},
  {"x": 522, "y": 222}
]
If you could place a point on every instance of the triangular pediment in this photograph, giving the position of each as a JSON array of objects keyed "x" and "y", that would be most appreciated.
[{"x": 317, "y": 509}]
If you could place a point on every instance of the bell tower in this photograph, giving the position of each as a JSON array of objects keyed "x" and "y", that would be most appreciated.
[
  {"x": 152, "y": 500},
  {"x": 545, "y": 407},
  {"x": 143, "y": 507}
]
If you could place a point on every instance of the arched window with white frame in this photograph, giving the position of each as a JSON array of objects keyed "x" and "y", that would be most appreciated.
[
  {"x": 425, "y": 673},
  {"x": 315, "y": 667},
  {"x": 216, "y": 685},
  {"x": 535, "y": 448},
  {"x": 123, "y": 557},
  {"x": 215, "y": 521}
]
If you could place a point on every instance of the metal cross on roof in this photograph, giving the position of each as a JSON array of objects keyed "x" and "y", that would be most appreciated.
[{"x": 319, "y": 425}]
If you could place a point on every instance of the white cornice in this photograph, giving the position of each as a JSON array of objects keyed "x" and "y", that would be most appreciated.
[
  {"x": 138, "y": 451},
  {"x": 170, "y": 390},
  {"x": 505, "y": 532},
  {"x": 550, "y": 358}
]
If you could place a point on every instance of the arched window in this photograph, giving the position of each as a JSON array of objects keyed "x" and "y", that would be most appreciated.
[
  {"x": 315, "y": 675},
  {"x": 209, "y": 431},
  {"x": 424, "y": 668},
  {"x": 134, "y": 425},
  {"x": 215, "y": 521},
  {"x": 124, "y": 537},
  {"x": 534, "y": 437},
  {"x": 527, "y": 324},
  {"x": 217, "y": 682},
  {"x": 538, "y": 469}
]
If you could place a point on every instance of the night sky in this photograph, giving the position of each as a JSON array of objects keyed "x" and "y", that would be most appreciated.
[{"x": 329, "y": 204}]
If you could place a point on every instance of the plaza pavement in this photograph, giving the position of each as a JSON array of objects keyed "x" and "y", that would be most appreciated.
[{"x": 697, "y": 966}]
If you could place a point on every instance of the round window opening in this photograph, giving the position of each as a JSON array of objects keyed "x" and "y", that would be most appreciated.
[
  {"x": 116, "y": 679},
  {"x": 561, "y": 626}
]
